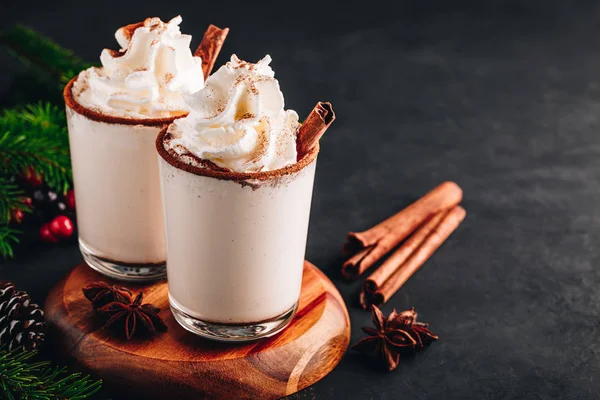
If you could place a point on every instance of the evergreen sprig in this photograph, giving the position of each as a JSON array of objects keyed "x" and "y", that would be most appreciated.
[
  {"x": 21, "y": 377},
  {"x": 35, "y": 136},
  {"x": 8, "y": 238},
  {"x": 11, "y": 198},
  {"x": 31, "y": 137},
  {"x": 37, "y": 51}
]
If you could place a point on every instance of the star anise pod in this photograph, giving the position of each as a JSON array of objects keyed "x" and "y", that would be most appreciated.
[
  {"x": 391, "y": 335},
  {"x": 419, "y": 331},
  {"x": 101, "y": 293},
  {"x": 135, "y": 316}
]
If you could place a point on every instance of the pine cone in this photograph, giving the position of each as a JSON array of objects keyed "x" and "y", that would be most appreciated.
[{"x": 21, "y": 321}]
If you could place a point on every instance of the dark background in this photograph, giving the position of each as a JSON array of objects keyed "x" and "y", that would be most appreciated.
[{"x": 501, "y": 96}]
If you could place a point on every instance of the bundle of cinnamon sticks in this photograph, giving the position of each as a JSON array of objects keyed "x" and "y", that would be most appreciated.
[{"x": 427, "y": 223}]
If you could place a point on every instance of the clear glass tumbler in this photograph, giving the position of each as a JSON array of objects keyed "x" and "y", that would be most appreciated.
[
  {"x": 117, "y": 187},
  {"x": 235, "y": 245}
]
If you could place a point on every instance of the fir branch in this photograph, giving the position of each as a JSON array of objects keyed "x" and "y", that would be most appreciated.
[
  {"x": 23, "y": 378},
  {"x": 8, "y": 238},
  {"x": 11, "y": 198},
  {"x": 36, "y": 50},
  {"x": 36, "y": 136}
]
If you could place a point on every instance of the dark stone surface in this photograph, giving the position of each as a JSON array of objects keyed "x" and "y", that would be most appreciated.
[{"x": 500, "y": 96}]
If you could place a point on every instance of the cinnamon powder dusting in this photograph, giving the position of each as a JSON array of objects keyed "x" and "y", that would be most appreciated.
[
  {"x": 129, "y": 30},
  {"x": 262, "y": 146},
  {"x": 247, "y": 116},
  {"x": 116, "y": 53},
  {"x": 155, "y": 24}
]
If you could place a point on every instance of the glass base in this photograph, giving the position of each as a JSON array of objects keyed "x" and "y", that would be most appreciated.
[
  {"x": 233, "y": 332},
  {"x": 122, "y": 271}
]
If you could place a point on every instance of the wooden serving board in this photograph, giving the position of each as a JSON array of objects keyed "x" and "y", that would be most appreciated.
[{"x": 178, "y": 364}]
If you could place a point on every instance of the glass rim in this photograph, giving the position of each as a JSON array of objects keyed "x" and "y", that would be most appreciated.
[
  {"x": 110, "y": 119},
  {"x": 174, "y": 161}
]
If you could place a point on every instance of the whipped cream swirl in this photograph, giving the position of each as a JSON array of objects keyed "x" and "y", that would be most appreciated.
[
  {"x": 148, "y": 77},
  {"x": 238, "y": 120}
]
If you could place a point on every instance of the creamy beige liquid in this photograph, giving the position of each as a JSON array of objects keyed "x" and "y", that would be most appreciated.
[
  {"x": 235, "y": 253},
  {"x": 115, "y": 173}
]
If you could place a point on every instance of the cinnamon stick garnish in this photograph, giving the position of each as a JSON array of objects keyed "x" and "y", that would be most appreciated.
[
  {"x": 435, "y": 239},
  {"x": 374, "y": 243},
  {"x": 315, "y": 125},
  {"x": 395, "y": 261},
  {"x": 209, "y": 47}
]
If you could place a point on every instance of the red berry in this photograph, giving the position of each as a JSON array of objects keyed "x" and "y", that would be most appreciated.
[
  {"x": 28, "y": 202},
  {"x": 61, "y": 227},
  {"x": 33, "y": 178},
  {"x": 16, "y": 216},
  {"x": 46, "y": 236},
  {"x": 70, "y": 199}
]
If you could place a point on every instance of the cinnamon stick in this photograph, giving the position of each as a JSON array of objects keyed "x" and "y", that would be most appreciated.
[
  {"x": 435, "y": 239},
  {"x": 315, "y": 125},
  {"x": 397, "y": 259},
  {"x": 210, "y": 46},
  {"x": 443, "y": 196},
  {"x": 350, "y": 269},
  {"x": 388, "y": 234}
]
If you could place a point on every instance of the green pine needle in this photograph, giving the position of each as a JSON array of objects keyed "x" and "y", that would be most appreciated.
[
  {"x": 23, "y": 378},
  {"x": 36, "y": 136},
  {"x": 11, "y": 198},
  {"x": 8, "y": 238},
  {"x": 37, "y": 51}
]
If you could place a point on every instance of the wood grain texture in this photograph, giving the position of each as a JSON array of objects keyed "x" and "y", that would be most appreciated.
[{"x": 179, "y": 364}]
